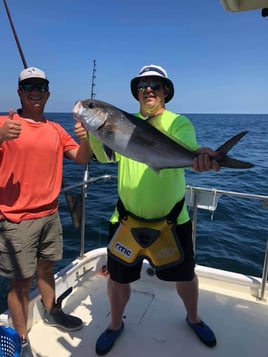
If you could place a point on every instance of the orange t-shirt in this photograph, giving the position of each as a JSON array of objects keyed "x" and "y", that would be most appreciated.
[{"x": 31, "y": 169}]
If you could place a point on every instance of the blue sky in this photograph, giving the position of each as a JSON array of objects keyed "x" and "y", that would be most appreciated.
[{"x": 217, "y": 60}]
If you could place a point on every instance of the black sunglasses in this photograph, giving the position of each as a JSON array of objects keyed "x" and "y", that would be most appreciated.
[
  {"x": 41, "y": 87},
  {"x": 153, "y": 85}
]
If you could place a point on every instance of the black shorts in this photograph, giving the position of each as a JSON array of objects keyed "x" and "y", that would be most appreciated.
[{"x": 183, "y": 271}]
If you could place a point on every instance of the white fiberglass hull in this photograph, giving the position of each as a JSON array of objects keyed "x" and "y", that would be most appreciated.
[{"x": 155, "y": 317}]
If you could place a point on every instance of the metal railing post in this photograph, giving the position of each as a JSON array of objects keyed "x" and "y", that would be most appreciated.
[
  {"x": 194, "y": 218},
  {"x": 265, "y": 272},
  {"x": 83, "y": 213}
]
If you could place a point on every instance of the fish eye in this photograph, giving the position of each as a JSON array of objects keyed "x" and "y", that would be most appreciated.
[{"x": 91, "y": 105}]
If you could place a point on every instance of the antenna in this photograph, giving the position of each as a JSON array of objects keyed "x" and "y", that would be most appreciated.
[{"x": 93, "y": 94}]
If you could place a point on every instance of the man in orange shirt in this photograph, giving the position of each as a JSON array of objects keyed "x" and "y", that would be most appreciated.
[{"x": 32, "y": 149}]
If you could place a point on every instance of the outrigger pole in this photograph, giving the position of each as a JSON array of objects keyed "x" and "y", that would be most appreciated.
[
  {"x": 69, "y": 198},
  {"x": 93, "y": 94},
  {"x": 86, "y": 177}
]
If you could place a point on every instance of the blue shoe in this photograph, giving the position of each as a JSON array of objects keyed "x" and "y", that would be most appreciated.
[
  {"x": 107, "y": 339},
  {"x": 205, "y": 334}
]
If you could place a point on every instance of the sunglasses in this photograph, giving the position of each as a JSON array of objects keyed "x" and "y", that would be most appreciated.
[
  {"x": 41, "y": 87},
  {"x": 153, "y": 85}
]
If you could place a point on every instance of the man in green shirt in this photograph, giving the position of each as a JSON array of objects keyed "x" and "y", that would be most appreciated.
[{"x": 145, "y": 196}]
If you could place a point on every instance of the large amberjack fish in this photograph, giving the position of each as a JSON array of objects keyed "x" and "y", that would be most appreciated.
[{"x": 137, "y": 139}]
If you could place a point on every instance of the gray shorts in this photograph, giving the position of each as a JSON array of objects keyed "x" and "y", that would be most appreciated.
[{"x": 22, "y": 244}]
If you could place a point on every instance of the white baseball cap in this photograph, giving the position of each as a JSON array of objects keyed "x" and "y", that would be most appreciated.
[
  {"x": 32, "y": 72},
  {"x": 153, "y": 71}
]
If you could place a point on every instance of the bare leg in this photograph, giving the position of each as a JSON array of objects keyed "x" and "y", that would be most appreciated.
[
  {"x": 18, "y": 301},
  {"x": 188, "y": 291},
  {"x": 119, "y": 295},
  {"x": 46, "y": 283}
]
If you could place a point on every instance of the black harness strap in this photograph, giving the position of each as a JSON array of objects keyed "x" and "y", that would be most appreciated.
[
  {"x": 171, "y": 217},
  {"x": 123, "y": 213},
  {"x": 176, "y": 210}
]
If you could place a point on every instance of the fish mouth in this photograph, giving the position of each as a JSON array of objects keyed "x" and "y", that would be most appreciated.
[
  {"x": 77, "y": 110},
  {"x": 80, "y": 107}
]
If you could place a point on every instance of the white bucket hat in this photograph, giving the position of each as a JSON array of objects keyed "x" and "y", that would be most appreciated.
[{"x": 153, "y": 71}]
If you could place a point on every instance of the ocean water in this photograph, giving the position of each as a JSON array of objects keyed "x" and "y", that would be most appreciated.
[{"x": 231, "y": 238}]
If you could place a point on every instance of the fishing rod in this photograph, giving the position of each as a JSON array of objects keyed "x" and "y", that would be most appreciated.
[
  {"x": 15, "y": 35},
  {"x": 93, "y": 94},
  {"x": 86, "y": 179},
  {"x": 86, "y": 173}
]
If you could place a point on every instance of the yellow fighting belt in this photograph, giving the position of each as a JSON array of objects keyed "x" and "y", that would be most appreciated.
[{"x": 155, "y": 241}]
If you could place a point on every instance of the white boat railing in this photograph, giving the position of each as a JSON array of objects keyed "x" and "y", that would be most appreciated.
[
  {"x": 195, "y": 198},
  {"x": 265, "y": 272}
]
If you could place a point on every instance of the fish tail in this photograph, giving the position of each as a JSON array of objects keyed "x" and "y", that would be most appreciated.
[
  {"x": 235, "y": 164},
  {"x": 227, "y": 146},
  {"x": 226, "y": 161}
]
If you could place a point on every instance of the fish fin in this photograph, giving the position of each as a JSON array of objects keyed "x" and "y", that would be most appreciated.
[
  {"x": 155, "y": 169},
  {"x": 109, "y": 153},
  {"x": 227, "y": 146}
]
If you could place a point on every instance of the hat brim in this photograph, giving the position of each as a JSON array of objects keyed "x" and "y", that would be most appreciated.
[
  {"x": 167, "y": 82},
  {"x": 34, "y": 79}
]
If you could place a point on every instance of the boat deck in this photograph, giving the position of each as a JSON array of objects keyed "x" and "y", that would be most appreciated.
[{"x": 155, "y": 320}]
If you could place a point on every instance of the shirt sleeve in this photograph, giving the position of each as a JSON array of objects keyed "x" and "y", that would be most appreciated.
[
  {"x": 66, "y": 139},
  {"x": 183, "y": 131}
]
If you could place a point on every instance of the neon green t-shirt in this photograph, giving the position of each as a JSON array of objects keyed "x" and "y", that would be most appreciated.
[{"x": 143, "y": 192}]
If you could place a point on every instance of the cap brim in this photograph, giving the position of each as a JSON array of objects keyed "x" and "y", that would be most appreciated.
[
  {"x": 36, "y": 79},
  {"x": 134, "y": 83}
]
